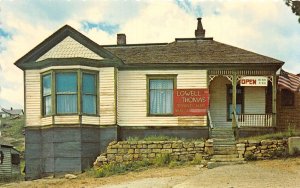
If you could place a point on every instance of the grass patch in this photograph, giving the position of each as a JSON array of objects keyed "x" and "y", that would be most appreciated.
[
  {"x": 9, "y": 179},
  {"x": 119, "y": 168},
  {"x": 278, "y": 135},
  {"x": 123, "y": 168},
  {"x": 162, "y": 138}
]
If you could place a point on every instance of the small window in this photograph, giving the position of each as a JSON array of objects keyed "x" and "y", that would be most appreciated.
[
  {"x": 66, "y": 93},
  {"x": 15, "y": 159},
  {"x": 89, "y": 93},
  {"x": 1, "y": 157},
  {"x": 47, "y": 101},
  {"x": 287, "y": 98},
  {"x": 161, "y": 96}
]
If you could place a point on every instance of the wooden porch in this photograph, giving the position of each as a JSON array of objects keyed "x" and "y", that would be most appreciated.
[{"x": 261, "y": 119}]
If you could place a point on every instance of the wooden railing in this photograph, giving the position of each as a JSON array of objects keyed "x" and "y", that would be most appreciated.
[
  {"x": 235, "y": 119},
  {"x": 211, "y": 125},
  {"x": 255, "y": 120}
]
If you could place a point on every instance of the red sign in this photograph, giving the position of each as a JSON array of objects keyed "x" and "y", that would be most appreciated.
[{"x": 191, "y": 102}]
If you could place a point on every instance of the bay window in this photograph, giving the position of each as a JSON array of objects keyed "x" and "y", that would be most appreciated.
[{"x": 73, "y": 92}]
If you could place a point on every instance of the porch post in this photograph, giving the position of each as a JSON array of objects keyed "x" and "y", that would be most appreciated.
[
  {"x": 234, "y": 98},
  {"x": 274, "y": 93}
]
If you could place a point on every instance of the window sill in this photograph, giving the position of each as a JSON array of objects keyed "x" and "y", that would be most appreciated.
[{"x": 160, "y": 115}]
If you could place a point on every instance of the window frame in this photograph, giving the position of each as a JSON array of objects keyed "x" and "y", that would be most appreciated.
[
  {"x": 172, "y": 77},
  {"x": 282, "y": 97},
  {"x": 79, "y": 74},
  {"x": 42, "y": 94}
]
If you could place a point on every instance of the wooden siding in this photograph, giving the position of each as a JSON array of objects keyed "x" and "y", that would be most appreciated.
[
  {"x": 108, "y": 93},
  {"x": 218, "y": 104},
  {"x": 67, "y": 119},
  {"x": 106, "y": 98},
  {"x": 33, "y": 98},
  {"x": 5, "y": 168},
  {"x": 46, "y": 120},
  {"x": 132, "y": 97},
  {"x": 91, "y": 120},
  {"x": 255, "y": 100}
]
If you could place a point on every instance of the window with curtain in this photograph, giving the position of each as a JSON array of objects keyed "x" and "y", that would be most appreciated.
[
  {"x": 161, "y": 96},
  {"x": 47, "y": 101},
  {"x": 66, "y": 92},
  {"x": 89, "y": 94}
]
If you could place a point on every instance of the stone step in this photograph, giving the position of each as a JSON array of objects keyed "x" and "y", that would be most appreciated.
[
  {"x": 225, "y": 152},
  {"x": 211, "y": 165},
  {"x": 224, "y": 142},
  {"x": 227, "y": 160},
  {"x": 225, "y": 156}
]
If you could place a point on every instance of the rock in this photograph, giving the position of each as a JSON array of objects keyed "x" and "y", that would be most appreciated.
[
  {"x": 253, "y": 142},
  {"x": 151, "y": 146},
  {"x": 112, "y": 143},
  {"x": 200, "y": 166},
  {"x": 199, "y": 144},
  {"x": 250, "y": 148},
  {"x": 112, "y": 151},
  {"x": 119, "y": 159},
  {"x": 102, "y": 158},
  {"x": 177, "y": 145},
  {"x": 266, "y": 142},
  {"x": 70, "y": 176},
  {"x": 167, "y": 146}
]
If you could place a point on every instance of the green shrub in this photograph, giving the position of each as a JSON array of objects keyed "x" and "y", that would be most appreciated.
[
  {"x": 162, "y": 160},
  {"x": 8, "y": 179},
  {"x": 250, "y": 157},
  {"x": 118, "y": 168}
]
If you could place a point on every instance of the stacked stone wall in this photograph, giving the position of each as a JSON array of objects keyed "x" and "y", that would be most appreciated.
[
  {"x": 264, "y": 149},
  {"x": 125, "y": 151}
]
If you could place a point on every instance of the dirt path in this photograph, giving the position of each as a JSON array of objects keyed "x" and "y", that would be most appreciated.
[{"x": 275, "y": 173}]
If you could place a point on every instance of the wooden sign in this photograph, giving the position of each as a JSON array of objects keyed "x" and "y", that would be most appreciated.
[
  {"x": 191, "y": 102},
  {"x": 254, "y": 81}
]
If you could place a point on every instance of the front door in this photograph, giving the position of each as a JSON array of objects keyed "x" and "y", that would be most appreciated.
[{"x": 239, "y": 101}]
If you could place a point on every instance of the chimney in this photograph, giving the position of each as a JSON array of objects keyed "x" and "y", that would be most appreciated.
[
  {"x": 121, "y": 39},
  {"x": 199, "y": 32}
]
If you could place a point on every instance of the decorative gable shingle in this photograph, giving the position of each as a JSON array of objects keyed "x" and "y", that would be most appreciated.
[{"x": 69, "y": 48}]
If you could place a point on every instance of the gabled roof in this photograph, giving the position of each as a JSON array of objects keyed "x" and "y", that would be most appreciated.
[
  {"x": 188, "y": 51},
  {"x": 29, "y": 60},
  {"x": 13, "y": 111},
  {"x": 3, "y": 142}
]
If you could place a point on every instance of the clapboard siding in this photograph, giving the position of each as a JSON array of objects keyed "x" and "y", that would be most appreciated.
[
  {"x": 90, "y": 120},
  {"x": 46, "y": 121},
  {"x": 68, "y": 119},
  {"x": 106, "y": 98},
  {"x": 107, "y": 92},
  {"x": 33, "y": 98},
  {"x": 132, "y": 97},
  {"x": 218, "y": 104},
  {"x": 255, "y": 100},
  {"x": 5, "y": 168}
]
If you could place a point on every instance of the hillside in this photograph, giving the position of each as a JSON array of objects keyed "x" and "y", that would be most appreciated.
[{"x": 12, "y": 130}]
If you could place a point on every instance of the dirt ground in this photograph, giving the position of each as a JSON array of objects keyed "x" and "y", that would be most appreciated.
[{"x": 273, "y": 173}]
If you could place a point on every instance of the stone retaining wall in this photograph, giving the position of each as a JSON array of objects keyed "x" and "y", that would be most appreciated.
[
  {"x": 138, "y": 150},
  {"x": 264, "y": 149}
]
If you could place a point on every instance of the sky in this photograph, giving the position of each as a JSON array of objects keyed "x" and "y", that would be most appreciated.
[{"x": 267, "y": 27}]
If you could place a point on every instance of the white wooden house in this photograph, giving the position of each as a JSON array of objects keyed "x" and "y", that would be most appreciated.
[{"x": 80, "y": 95}]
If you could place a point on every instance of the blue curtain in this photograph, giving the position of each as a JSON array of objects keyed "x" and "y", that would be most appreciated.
[
  {"x": 66, "y": 92},
  {"x": 161, "y": 96},
  {"x": 89, "y": 93},
  {"x": 47, "y": 94}
]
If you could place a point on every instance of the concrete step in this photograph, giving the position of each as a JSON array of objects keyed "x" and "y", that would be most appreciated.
[
  {"x": 227, "y": 160},
  {"x": 225, "y": 152},
  {"x": 211, "y": 165},
  {"x": 225, "y": 156}
]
